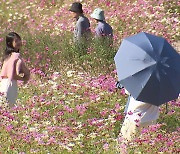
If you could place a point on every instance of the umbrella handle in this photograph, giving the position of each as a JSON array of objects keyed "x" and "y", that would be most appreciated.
[{"x": 118, "y": 85}]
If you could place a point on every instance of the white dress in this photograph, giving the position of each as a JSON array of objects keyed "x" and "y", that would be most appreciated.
[
  {"x": 140, "y": 111},
  {"x": 138, "y": 116},
  {"x": 9, "y": 89}
]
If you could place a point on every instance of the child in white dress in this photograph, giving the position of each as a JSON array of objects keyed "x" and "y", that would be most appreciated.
[{"x": 13, "y": 67}]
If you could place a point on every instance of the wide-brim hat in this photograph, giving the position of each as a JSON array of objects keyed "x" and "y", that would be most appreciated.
[
  {"x": 76, "y": 7},
  {"x": 98, "y": 14}
]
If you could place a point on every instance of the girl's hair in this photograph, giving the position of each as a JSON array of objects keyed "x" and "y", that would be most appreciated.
[{"x": 9, "y": 43}]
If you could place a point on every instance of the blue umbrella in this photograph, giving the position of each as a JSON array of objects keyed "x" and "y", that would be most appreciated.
[{"x": 149, "y": 68}]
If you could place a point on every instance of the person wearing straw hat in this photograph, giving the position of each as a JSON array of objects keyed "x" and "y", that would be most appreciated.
[
  {"x": 103, "y": 28},
  {"x": 82, "y": 29}
]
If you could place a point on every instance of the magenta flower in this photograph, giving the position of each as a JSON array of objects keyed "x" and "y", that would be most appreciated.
[
  {"x": 104, "y": 112},
  {"x": 9, "y": 128},
  {"x": 130, "y": 113},
  {"x": 106, "y": 146},
  {"x": 137, "y": 121},
  {"x": 81, "y": 109},
  {"x": 119, "y": 117}
]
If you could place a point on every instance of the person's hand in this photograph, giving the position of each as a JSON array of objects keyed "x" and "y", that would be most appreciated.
[
  {"x": 25, "y": 82},
  {"x": 118, "y": 85},
  {"x": 26, "y": 79}
]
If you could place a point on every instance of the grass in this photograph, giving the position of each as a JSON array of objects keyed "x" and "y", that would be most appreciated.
[{"x": 70, "y": 104}]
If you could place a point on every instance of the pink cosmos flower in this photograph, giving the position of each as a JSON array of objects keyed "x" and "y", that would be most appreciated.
[
  {"x": 1, "y": 39},
  {"x": 130, "y": 113},
  {"x": 104, "y": 112},
  {"x": 9, "y": 128},
  {"x": 106, "y": 146}
]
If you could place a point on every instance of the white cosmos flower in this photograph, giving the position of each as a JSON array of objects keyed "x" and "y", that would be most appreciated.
[
  {"x": 9, "y": 20},
  {"x": 78, "y": 137},
  {"x": 71, "y": 144},
  {"x": 33, "y": 129},
  {"x": 93, "y": 135},
  {"x": 70, "y": 73}
]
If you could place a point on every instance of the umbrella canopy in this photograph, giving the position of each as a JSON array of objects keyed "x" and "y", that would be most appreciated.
[{"x": 149, "y": 68}]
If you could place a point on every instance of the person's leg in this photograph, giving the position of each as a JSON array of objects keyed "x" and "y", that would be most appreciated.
[
  {"x": 127, "y": 134},
  {"x": 128, "y": 130}
]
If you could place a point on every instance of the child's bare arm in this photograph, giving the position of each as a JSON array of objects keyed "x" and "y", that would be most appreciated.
[
  {"x": 22, "y": 69},
  {"x": 18, "y": 66},
  {"x": 18, "y": 77}
]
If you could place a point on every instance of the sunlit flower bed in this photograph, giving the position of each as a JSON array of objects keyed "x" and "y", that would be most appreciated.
[{"x": 71, "y": 105}]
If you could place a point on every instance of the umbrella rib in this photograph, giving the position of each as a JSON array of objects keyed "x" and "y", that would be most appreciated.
[
  {"x": 144, "y": 86},
  {"x": 149, "y": 42},
  {"x": 140, "y": 71},
  {"x": 140, "y": 48},
  {"x": 162, "y": 48},
  {"x": 169, "y": 83}
]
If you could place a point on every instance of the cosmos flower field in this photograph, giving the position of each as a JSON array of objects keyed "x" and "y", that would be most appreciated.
[{"x": 71, "y": 104}]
